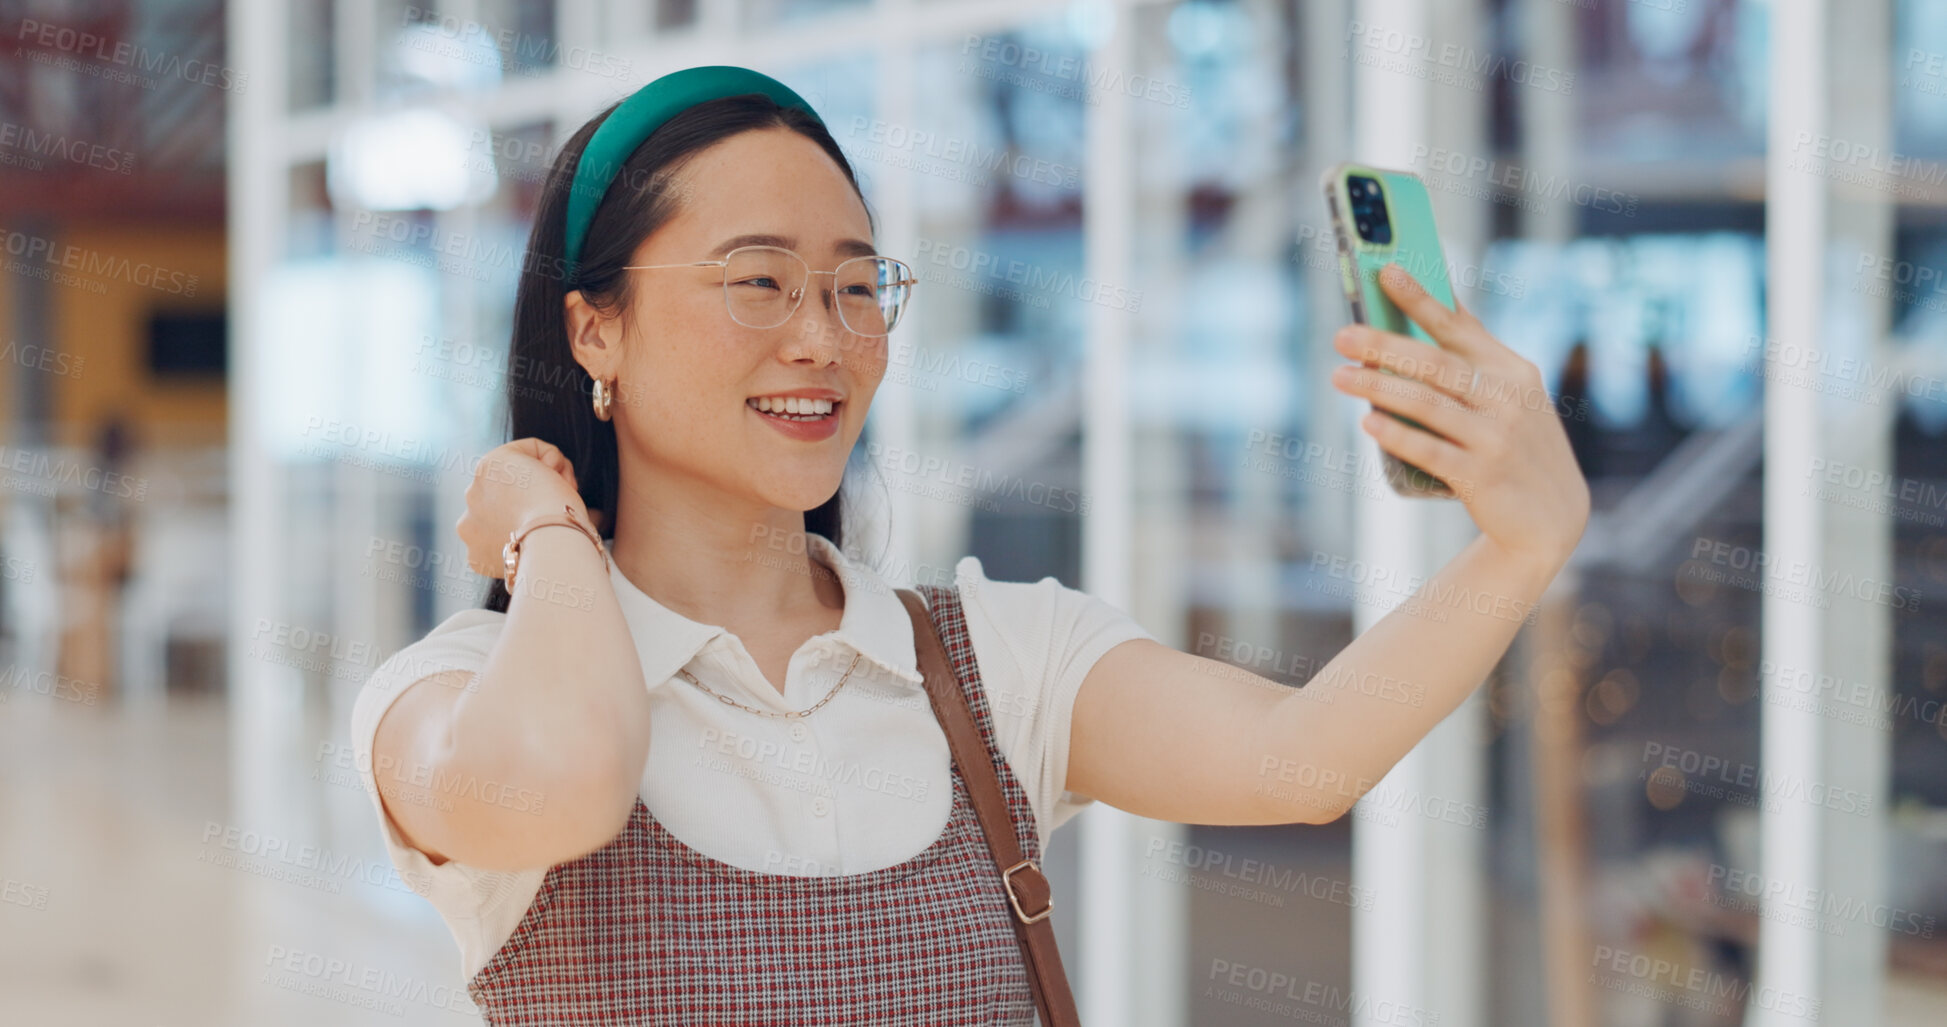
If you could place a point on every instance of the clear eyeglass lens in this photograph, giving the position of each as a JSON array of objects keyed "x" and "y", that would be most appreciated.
[
  {"x": 763, "y": 284},
  {"x": 872, "y": 292}
]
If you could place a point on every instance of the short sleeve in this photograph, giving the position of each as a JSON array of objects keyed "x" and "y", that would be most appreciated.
[
  {"x": 481, "y": 907},
  {"x": 1035, "y": 643}
]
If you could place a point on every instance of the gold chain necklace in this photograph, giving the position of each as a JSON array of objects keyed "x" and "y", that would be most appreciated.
[{"x": 727, "y": 701}]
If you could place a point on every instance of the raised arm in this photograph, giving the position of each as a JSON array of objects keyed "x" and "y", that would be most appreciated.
[
  {"x": 539, "y": 760},
  {"x": 1181, "y": 737}
]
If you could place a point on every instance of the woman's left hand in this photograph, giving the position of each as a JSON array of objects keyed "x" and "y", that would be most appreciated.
[{"x": 1500, "y": 443}]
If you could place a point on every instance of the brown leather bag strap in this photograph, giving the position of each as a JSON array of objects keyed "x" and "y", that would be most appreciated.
[{"x": 1027, "y": 888}]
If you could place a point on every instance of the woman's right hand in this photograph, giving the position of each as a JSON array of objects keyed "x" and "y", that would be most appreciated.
[{"x": 511, "y": 483}]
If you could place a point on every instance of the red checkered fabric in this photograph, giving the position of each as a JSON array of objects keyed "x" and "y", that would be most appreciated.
[{"x": 647, "y": 930}]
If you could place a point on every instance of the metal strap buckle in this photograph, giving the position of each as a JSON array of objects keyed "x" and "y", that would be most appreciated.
[{"x": 1007, "y": 877}]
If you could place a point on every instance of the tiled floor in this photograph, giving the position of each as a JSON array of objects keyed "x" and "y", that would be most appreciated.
[
  {"x": 134, "y": 893},
  {"x": 130, "y": 900}
]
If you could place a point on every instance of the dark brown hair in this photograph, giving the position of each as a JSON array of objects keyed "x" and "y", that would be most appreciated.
[{"x": 548, "y": 392}]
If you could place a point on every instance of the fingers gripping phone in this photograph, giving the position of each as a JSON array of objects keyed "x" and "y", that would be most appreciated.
[{"x": 1380, "y": 216}]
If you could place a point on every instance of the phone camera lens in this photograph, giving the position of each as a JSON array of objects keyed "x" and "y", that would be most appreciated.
[
  {"x": 1367, "y": 203},
  {"x": 1367, "y": 200}
]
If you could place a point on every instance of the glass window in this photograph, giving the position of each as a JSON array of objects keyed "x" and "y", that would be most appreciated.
[
  {"x": 994, "y": 167},
  {"x": 761, "y": 15},
  {"x": 312, "y": 53},
  {"x": 1227, "y": 402}
]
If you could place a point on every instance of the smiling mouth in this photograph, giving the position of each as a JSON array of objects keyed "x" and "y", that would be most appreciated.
[{"x": 793, "y": 409}]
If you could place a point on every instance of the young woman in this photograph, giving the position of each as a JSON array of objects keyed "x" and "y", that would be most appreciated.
[{"x": 684, "y": 770}]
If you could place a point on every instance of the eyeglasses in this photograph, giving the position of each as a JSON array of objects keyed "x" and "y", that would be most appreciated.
[{"x": 763, "y": 285}]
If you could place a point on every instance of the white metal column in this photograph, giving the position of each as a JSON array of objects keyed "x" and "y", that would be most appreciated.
[
  {"x": 262, "y": 695},
  {"x": 1108, "y": 836},
  {"x": 1815, "y": 228},
  {"x": 894, "y": 417},
  {"x": 1419, "y": 945},
  {"x": 1794, "y": 238}
]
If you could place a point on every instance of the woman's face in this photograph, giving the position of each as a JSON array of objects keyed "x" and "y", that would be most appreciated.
[{"x": 689, "y": 375}]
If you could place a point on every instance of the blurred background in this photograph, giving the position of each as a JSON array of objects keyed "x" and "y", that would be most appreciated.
[{"x": 259, "y": 267}]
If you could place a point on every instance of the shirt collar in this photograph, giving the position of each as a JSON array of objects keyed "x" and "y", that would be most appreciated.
[{"x": 874, "y": 623}]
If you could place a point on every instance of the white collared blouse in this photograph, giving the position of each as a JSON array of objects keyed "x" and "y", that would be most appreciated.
[{"x": 862, "y": 784}]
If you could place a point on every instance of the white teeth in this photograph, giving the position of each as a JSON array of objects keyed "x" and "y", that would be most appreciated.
[{"x": 792, "y": 405}]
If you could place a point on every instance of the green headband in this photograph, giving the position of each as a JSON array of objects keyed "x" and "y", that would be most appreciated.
[{"x": 637, "y": 118}]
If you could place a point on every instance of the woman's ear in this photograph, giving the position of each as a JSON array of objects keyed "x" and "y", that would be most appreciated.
[{"x": 594, "y": 338}]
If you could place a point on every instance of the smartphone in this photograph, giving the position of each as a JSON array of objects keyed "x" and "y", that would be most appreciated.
[{"x": 1380, "y": 216}]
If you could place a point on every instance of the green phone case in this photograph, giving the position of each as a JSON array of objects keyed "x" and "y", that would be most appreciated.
[{"x": 1415, "y": 245}]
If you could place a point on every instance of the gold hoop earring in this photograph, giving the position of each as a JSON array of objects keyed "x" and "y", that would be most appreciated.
[{"x": 604, "y": 396}]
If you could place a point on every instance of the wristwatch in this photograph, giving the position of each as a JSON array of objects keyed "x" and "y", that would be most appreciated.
[{"x": 510, "y": 554}]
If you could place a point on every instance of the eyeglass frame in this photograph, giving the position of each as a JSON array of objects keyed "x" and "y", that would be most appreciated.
[{"x": 724, "y": 263}]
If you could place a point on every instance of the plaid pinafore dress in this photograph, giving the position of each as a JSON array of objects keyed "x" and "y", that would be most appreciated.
[{"x": 647, "y": 930}]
